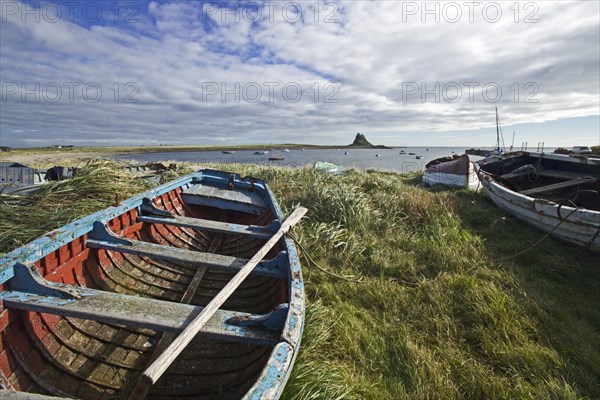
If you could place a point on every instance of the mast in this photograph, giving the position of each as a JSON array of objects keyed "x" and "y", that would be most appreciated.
[
  {"x": 497, "y": 132},
  {"x": 513, "y": 142}
]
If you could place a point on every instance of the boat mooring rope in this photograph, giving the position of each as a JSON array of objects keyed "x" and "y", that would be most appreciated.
[
  {"x": 349, "y": 278},
  {"x": 540, "y": 240}
]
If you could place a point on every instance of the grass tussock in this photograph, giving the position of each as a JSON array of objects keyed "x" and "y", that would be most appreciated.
[
  {"x": 442, "y": 311},
  {"x": 98, "y": 184}
]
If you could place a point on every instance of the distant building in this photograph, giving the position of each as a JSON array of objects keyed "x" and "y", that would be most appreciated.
[
  {"x": 12, "y": 173},
  {"x": 4, "y": 148}
]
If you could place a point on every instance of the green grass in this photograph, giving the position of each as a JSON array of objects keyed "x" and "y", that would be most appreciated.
[{"x": 442, "y": 312}]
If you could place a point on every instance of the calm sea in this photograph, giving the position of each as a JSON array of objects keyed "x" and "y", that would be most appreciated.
[{"x": 386, "y": 160}]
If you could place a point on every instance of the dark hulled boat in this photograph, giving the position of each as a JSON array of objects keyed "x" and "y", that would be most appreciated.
[{"x": 87, "y": 308}]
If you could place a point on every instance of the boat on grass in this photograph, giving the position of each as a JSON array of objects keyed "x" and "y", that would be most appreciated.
[
  {"x": 186, "y": 291},
  {"x": 556, "y": 193},
  {"x": 327, "y": 167},
  {"x": 456, "y": 171}
]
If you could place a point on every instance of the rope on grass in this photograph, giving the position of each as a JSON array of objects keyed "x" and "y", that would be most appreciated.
[
  {"x": 310, "y": 260},
  {"x": 540, "y": 240}
]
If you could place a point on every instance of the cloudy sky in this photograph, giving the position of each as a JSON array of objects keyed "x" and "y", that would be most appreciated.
[{"x": 402, "y": 72}]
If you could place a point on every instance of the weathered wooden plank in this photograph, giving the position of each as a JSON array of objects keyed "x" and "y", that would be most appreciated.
[
  {"x": 100, "y": 238},
  {"x": 517, "y": 174},
  {"x": 141, "y": 312},
  {"x": 566, "y": 175},
  {"x": 561, "y": 185},
  {"x": 237, "y": 200},
  {"x": 209, "y": 225},
  {"x": 162, "y": 363},
  {"x": 149, "y": 212},
  {"x": 168, "y": 337}
]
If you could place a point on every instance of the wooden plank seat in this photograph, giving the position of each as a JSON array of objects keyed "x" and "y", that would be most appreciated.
[
  {"x": 31, "y": 292},
  {"x": 561, "y": 185},
  {"x": 237, "y": 200},
  {"x": 101, "y": 237},
  {"x": 152, "y": 214},
  {"x": 564, "y": 175}
]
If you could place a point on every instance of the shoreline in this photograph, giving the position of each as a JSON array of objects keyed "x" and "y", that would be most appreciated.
[{"x": 39, "y": 155}]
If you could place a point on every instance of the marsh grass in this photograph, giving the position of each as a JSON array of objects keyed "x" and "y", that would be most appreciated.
[
  {"x": 98, "y": 184},
  {"x": 442, "y": 312}
]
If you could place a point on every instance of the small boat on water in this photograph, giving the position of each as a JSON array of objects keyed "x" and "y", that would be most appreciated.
[
  {"x": 457, "y": 171},
  {"x": 412, "y": 154},
  {"x": 554, "y": 192},
  {"x": 419, "y": 157},
  {"x": 258, "y": 153},
  {"x": 228, "y": 152},
  {"x": 186, "y": 291},
  {"x": 276, "y": 158},
  {"x": 286, "y": 150}
]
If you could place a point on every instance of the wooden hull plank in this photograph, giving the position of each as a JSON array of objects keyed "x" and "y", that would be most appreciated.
[
  {"x": 208, "y": 225},
  {"x": 236, "y": 200},
  {"x": 142, "y": 312}
]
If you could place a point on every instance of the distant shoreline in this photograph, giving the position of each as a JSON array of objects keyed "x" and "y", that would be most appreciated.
[
  {"x": 45, "y": 157},
  {"x": 124, "y": 150}
]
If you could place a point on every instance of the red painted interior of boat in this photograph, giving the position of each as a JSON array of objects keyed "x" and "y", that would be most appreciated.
[{"x": 70, "y": 357}]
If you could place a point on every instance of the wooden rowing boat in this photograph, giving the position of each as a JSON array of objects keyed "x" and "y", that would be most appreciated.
[
  {"x": 150, "y": 298},
  {"x": 556, "y": 193},
  {"x": 455, "y": 171}
]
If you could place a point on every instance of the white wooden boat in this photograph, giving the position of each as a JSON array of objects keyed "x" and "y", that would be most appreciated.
[
  {"x": 458, "y": 172},
  {"x": 556, "y": 193}
]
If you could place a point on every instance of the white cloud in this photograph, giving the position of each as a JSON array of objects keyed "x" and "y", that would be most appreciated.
[{"x": 176, "y": 51}]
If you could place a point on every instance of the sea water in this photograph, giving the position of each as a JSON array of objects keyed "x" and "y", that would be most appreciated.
[{"x": 380, "y": 159}]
